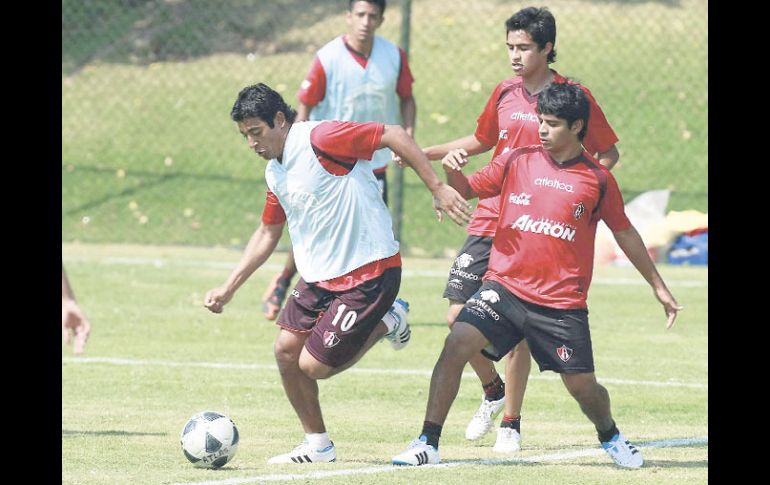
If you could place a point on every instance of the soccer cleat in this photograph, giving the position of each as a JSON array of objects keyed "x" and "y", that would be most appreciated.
[
  {"x": 395, "y": 319},
  {"x": 484, "y": 418},
  {"x": 508, "y": 441},
  {"x": 274, "y": 296},
  {"x": 418, "y": 453},
  {"x": 305, "y": 454},
  {"x": 622, "y": 452}
]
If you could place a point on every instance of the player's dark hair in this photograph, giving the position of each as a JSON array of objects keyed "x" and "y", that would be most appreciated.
[
  {"x": 259, "y": 101},
  {"x": 379, "y": 3},
  {"x": 539, "y": 24},
  {"x": 565, "y": 101}
]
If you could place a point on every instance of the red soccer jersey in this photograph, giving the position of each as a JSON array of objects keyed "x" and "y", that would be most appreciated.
[
  {"x": 313, "y": 88},
  {"x": 338, "y": 145},
  {"x": 509, "y": 121},
  {"x": 543, "y": 248}
]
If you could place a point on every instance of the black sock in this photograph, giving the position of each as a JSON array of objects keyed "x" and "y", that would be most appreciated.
[
  {"x": 509, "y": 422},
  {"x": 494, "y": 390},
  {"x": 432, "y": 431},
  {"x": 607, "y": 435}
]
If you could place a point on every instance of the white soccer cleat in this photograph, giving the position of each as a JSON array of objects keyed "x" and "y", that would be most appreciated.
[
  {"x": 399, "y": 332},
  {"x": 304, "y": 453},
  {"x": 418, "y": 453},
  {"x": 484, "y": 418},
  {"x": 622, "y": 452},
  {"x": 508, "y": 441}
]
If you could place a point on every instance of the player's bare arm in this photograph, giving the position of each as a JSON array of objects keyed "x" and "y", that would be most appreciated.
[
  {"x": 609, "y": 158},
  {"x": 408, "y": 108},
  {"x": 303, "y": 112},
  {"x": 454, "y": 176},
  {"x": 632, "y": 245},
  {"x": 445, "y": 198},
  {"x": 470, "y": 144},
  {"x": 260, "y": 247}
]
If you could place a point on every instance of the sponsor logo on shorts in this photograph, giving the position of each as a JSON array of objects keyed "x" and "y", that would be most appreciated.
[
  {"x": 456, "y": 283},
  {"x": 463, "y": 274},
  {"x": 330, "y": 339},
  {"x": 479, "y": 304},
  {"x": 295, "y": 293},
  {"x": 564, "y": 353},
  {"x": 580, "y": 209}
]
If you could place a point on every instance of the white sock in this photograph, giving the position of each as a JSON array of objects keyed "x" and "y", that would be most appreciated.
[
  {"x": 389, "y": 321},
  {"x": 318, "y": 441}
]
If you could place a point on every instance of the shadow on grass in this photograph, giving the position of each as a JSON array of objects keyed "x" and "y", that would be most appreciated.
[{"x": 72, "y": 432}]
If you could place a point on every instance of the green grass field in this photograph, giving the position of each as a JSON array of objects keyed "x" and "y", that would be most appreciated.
[
  {"x": 150, "y": 156},
  {"x": 156, "y": 357}
]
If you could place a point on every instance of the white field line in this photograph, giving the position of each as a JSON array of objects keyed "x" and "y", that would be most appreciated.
[
  {"x": 352, "y": 370},
  {"x": 551, "y": 457},
  {"x": 161, "y": 263}
]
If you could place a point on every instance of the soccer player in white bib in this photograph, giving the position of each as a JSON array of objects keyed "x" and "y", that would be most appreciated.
[
  {"x": 540, "y": 269},
  {"x": 358, "y": 76},
  {"x": 321, "y": 183}
]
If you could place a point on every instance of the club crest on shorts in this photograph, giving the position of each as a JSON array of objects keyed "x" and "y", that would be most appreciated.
[
  {"x": 490, "y": 295},
  {"x": 330, "y": 339},
  {"x": 564, "y": 353},
  {"x": 580, "y": 209}
]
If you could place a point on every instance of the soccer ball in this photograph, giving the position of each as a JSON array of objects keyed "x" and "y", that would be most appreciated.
[{"x": 209, "y": 439}]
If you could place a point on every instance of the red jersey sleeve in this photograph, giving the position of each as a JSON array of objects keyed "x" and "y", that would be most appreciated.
[
  {"x": 600, "y": 136},
  {"x": 487, "y": 126},
  {"x": 347, "y": 141},
  {"x": 313, "y": 88},
  {"x": 273, "y": 212},
  {"x": 488, "y": 182},
  {"x": 405, "y": 79},
  {"x": 612, "y": 211}
]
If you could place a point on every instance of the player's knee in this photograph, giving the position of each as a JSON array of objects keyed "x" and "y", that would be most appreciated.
[
  {"x": 284, "y": 354},
  {"x": 314, "y": 369},
  {"x": 581, "y": 386}
]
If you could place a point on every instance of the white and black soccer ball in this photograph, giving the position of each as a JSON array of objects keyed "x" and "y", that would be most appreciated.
[{"x": 209, "y": 439}]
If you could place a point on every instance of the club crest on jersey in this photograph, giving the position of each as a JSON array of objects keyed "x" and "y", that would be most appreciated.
[
  {"x": 564, "y": 353},
  {"x": 580, "y": 209},
  {"x": 330, "y": 339}
]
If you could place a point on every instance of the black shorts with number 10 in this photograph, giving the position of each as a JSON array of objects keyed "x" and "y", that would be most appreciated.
[{"x": 468, "y": 268}]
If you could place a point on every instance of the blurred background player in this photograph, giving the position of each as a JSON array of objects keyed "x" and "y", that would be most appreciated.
[
  {"x": 75, "y": 325},
  {"x": 508, "y": 121},
  {"x": 358, "y": 76},
  {"x": 540, "y": 270},
  {"x": 347, "y": 256}
]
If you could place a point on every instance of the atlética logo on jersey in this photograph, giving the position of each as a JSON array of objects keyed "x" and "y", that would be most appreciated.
[
  {"x": 330, "y": 339},
  {"x": 580, "y": 209},
  {"x": 564, "y": 353},
  {"x": 464, "y": 260},
  {"x": 503, "y": 135},
  {"x": 490, "y": 295}
]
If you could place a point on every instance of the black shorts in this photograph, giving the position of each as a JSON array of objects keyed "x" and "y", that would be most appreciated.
[
  {"x": 339, "y": 323},
  {"x": 470, "y": 265},
  {"x": 559, "y": 340}
]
